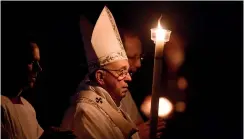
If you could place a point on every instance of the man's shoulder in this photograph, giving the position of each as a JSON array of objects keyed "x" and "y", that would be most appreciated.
[
  {"x": 86, "y": 104},
  {"x": 127, "y": 100},
  {"x": 90, "y": 110},
  {"x": 5, "y": 101}
]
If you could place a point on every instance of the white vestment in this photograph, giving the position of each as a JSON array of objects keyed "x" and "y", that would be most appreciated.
[
  {"x": 128, "y": 105},
  {"x": 94, "y": 114},
  {"x": 19, "y": 121}
]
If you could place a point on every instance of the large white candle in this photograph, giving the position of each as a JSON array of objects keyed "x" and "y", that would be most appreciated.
[{"x": 160, "y": 36}]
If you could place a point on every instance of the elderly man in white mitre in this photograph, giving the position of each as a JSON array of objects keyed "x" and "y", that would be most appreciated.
[{"x": 95, "y": 111}]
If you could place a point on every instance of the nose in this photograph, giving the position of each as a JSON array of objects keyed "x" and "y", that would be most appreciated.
[
  {"x": 138, "y": 63},
  {"x": 128, "y": 77},
  {"x": 38, "y": 67}
]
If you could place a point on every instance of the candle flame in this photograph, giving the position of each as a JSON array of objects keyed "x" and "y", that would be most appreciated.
[
  {"x": 160, "y": 32},
  {"x": 159, "y": 25}
]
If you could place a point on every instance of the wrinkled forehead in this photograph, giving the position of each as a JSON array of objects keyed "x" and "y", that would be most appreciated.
[{"x": 120, "y": 64}]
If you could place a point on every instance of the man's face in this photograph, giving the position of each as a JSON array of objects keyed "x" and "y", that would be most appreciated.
[
  {"x": 115, "y": 79},
  {"x": 33, "y": 66},
  {"x": 133, "y": 51}
]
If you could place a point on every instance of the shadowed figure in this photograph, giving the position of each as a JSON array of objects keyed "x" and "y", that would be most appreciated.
[{"x": 21, "y": 68}]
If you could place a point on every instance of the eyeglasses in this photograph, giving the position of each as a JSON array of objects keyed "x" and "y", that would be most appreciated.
[{"x": 121, "y": 73}]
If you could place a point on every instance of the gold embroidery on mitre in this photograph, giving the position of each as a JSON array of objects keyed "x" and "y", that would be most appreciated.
[
  {"x": 112, "y": 57},
  {"x": 96, "y": 64},
  {"x": 111, "y": 18}
]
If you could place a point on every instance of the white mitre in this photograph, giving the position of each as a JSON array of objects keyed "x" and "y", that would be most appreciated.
[{"x": 106, "y": 43}]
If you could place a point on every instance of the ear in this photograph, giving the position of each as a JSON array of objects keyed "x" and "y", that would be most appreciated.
[{"x": 100, "y": 77}]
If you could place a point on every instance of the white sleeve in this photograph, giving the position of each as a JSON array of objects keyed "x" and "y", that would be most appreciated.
[
  {"x": 91, "y": 123},
  {"x": 128, "y": 105},
  {"x": 32, "y": 110},
  {"x": 5, "y": 130}
]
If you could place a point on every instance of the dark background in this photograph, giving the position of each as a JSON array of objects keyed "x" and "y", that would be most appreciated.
[{"x": 213, "y": 32}]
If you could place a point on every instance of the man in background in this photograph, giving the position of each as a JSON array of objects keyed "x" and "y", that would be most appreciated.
[
  {"x": 133, "y": 48},
  {"x": 20, "y": 70}
]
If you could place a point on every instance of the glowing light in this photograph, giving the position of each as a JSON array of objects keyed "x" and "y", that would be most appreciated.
[
  {"x": 146, "y": 106},
  {"x": 174, "y": 56},
  {"x": 182, "y": 83},
  {"x": 180, "y": 106},
  {"x": 164, "y": 109},
  {"x": 160, "y": 34}
]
